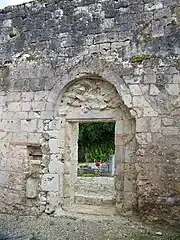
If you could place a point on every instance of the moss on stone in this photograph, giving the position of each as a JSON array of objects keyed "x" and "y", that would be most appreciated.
[
  {"x": 176, "y": 12},
  {"x": 140, "y": 59},
  {"x": 147, "y": 36},
  {"x": 4, "y": 73},
  {"x": 178, "y": 64},
  {"x": 32, "y": 57}
]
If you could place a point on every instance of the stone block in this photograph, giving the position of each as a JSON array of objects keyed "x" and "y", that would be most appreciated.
[
  {"x": 50, "y": 183},
  {"x": 151, "y": 7},
  {"x": 119, "y": 126},
  {"x": 176, "y": 78},
  {"x": 34, "y": 115},
  {"x": 157, "y": 29},
  {"x": 50, "y": 106},
  {"x": 12, "y": 126},
  {"x": 40, "y": 125},
  {"x": 173, "y": 89},
  {"x": 56, "y": 167},
  {"x": 13, "y": 197},
  {"x": 127, "y": 98},
  {"x": 29, "y": 125},
  {"x": 23, "y": 137},
  {"x": 67, "y": 187},
  {"x": 27, "y": 96},
  {"x": 142, "y": 125},
  {"x": 4, "y": 177},
  {"x": 9, "y": 115},
  {"x": 170, "y": 130},
  {"x": 128, "y": 185},
  {"x": 143, "y": 138},
  {"x": 140, "y": 101},
  {"x": 2, "y": 101},
  {"x": 13, "y": 97},
  {"x": 47, "y": 115},
  {"x": 149, "y": 112},
  {"x": 53, "y": 199},
  {"x": 31, "y": 188},
  {"x": 55, "y": 124},
  {"x": 123, "y": 139},
  {"x": 26, "y": 107},
  {"x": 23, "y": 115},
  {"x": 167, "y": 121},
  {"x": 53, "y": 134},
  {"x": 2, "y": 125},
  {"x": 120, "y": 154},
  {"x": 38, "y": 106},
  {"x": 154, "y": 91},
  {"x": 54, "y": 146},
  {"x": 34, "y": 137},
  {"x": 132, "y": 79},
  {"x": 16, "y": 137},
  {"x": 135, "y": 89},
  {"x": 150, "y": 78},
  {"x": 161, "y": 13},
  {"x": 14, "y": 106},
  {"x": 155, "y": 124},
  {"x": 40, "y": 96},
  {"x": 2, "y": 134}
]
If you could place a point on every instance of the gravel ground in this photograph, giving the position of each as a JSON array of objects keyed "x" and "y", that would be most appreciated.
[{"x": 80, "y": 227}]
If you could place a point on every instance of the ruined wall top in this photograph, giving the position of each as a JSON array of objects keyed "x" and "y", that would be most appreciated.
[
  {"x": 52, "y": 27},
  {"x": 61, "y": 33}
]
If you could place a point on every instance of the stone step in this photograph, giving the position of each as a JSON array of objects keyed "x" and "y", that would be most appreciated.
[
  {"x": 95, "y": 200},
  {"x": 108, "y": 210},
  {"x": 84, "y": 209}
]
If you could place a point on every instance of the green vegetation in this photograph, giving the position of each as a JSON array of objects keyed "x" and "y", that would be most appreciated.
[
  {"x": 140, "y": 59},
  {"x": 178, "y": 64},
  {"x": 4, "y": 72},
  {"x": 31, "y": 57},
  {"x": 96, "y": 142},
  {"x": 89, "y": 175},
  {"x": 176, "y": 13}
]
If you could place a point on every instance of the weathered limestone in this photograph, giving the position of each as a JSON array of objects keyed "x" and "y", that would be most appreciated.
[{"x": 93, "y": 60}]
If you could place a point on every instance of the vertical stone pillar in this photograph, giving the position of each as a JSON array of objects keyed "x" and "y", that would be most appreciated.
[
  {"x": 124, "y": 166},
  {"x": 71, "y": 161}
]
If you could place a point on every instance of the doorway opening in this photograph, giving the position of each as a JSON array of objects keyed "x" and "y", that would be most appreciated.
[
  {"x": 94, "y": 181},
  {"x": 96, "y": 149}
]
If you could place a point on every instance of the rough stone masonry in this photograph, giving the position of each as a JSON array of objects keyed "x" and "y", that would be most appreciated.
[{"x": 67, "y": 60}]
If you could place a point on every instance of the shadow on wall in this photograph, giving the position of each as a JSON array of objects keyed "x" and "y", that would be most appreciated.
[
  {"x": 6, "y": 236},
  {"x": 11, "y": 236}
]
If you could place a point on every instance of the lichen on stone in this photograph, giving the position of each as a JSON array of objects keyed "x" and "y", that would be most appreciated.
[
  {"x": 140, "y": 58},
  {"x": 4, "y": 72},
  {"x": 31, "y": 57},
  {"x": 178, "y": 64},
  {"x": 176, "y": 13}
]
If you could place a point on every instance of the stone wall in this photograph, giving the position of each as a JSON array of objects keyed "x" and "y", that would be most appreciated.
[{"x": 134, "y": 45}]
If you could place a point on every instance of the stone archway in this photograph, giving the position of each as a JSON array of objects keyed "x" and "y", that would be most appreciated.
[{"x": 91, "y": 98}]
